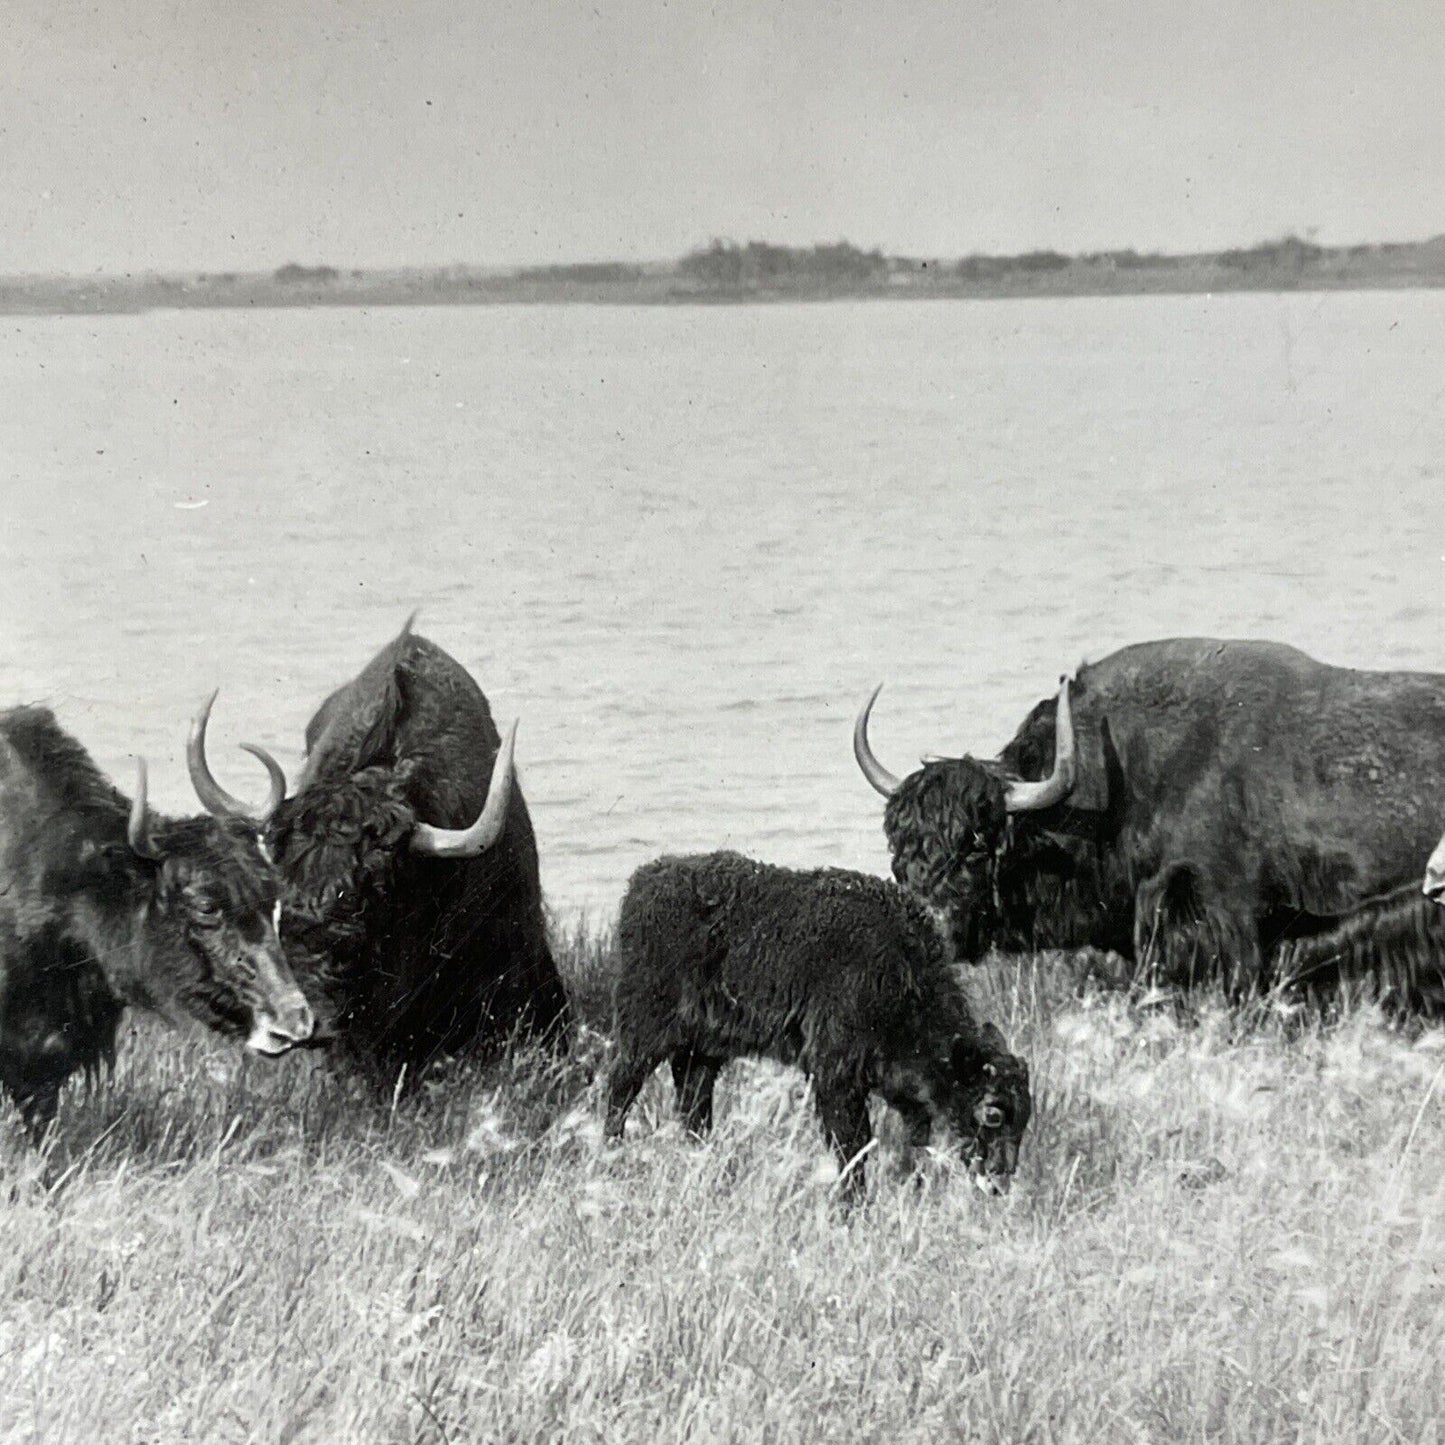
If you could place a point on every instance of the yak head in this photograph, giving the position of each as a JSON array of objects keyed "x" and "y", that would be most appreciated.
[
  {"x": 950, "y": 828},
  {"x": 339, "y": 843},
  {"x": 201, "y": 902},
  {"x": 989, "y": 1106}
]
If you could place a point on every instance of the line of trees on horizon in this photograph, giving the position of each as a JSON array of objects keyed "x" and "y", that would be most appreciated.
[
  {"x": 728, "y": 265},
  {"x": 759, "y": 263}
]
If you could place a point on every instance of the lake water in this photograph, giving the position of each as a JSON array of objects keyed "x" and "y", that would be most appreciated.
[{"x": 682, "y": 544}]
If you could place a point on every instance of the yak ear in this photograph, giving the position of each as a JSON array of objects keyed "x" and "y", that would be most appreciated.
[{"x": 88, "y": 866}]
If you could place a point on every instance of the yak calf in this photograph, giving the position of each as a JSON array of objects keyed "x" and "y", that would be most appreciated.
[{"x": 839, "y": 973}]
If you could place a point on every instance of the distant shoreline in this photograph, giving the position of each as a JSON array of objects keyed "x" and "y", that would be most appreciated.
[{"x": 757, "y": 273}]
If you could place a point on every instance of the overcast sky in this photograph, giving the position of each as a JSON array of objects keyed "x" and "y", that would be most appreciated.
[{"x": 138, "y": 134}]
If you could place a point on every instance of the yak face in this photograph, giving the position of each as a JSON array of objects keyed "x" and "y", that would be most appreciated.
[
  {"x": 947, "y": 825},
  {"x": 209, "y": 949},
  {"x": 952, "y": 827},
  {"x": 337, "y": 844},
  {"x": 989, "y": 1107}
]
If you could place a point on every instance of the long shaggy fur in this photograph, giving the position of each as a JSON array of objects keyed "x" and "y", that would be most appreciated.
[
  {"x": 1394, "y": 945},
  {"x": 839, "y": 973},
  {"x": 412, "y": 957},
  {"x": 75, "y": 785}
]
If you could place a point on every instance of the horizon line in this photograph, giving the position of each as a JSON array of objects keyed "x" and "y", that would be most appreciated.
[{"x": 511, "y": 267}]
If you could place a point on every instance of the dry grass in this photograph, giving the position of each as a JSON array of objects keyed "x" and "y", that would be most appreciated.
[{"x": 1220, "y": 1232}]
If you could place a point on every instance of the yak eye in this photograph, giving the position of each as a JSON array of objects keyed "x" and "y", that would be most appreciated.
[{"x": 206, "y": 914}]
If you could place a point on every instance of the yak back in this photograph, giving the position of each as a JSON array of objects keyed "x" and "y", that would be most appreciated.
[
  {"x": 62, "y": 821},
  {"x": 826, "y": 967},
  {"x": 62, "y": 774},
  {"x": 1318, "y": 786},
  {"x": 415, "y": 710},
  {"x": 412, "y": 702}
]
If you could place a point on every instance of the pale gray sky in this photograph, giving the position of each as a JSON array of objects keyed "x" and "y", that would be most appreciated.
[{"x": 138, "y": 134}]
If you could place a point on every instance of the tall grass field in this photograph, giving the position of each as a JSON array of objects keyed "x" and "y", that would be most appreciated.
[{"x": 1224, "y": 1228}]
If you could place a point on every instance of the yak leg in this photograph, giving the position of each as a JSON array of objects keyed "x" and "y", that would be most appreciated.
[
  {"x": 629, "y": 1074},
  {"x": 549, "y": 1015},
  {"x": 918, "y": 1122},
  {"x": 34, "y": 1088},
  {"x": 540, "y": 1006},
  {"x": 917, "y": 1119},
  {"x": 844, "y": 1115},
  {"x": 1190, "y": 929},
  {"x": 37, "y": 1104},
  {"x": 693, "y": 1077}
]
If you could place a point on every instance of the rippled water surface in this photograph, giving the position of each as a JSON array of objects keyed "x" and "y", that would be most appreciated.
[{"x": 682, "y": 544}]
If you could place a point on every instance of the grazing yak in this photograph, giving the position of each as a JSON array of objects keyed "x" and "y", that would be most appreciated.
[
  {"x": 412, "y": 911},
  {"x": 840, "y": 973},
  {"x": 104, "y": 904},
  {"x": 1206, "y": 805}
]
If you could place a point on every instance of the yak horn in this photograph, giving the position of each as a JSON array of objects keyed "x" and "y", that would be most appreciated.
[
  {"x": 1022, "y": 797},
  {"x": 468, "y": 842},
  {"x": 275, "y": 772},
  {"x": 882, "y": 780},
  {"x": 137, "y": 829},
  {"x": 214, "y": 798}
]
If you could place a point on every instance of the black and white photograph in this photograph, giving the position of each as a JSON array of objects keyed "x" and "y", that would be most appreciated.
[{"x": 722, "y": 722}]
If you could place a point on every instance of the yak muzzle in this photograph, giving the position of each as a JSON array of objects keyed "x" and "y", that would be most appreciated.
[
  {"x": 994, "y": 1185},
  {"x": 992, "y": 1166},
  {"x": 292, "y": 1025}
]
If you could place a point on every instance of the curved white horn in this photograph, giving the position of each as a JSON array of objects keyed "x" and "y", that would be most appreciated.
[
  {"x": 137, "y": 830},
  {"x": 468, "y": 842},
  {"x": 277, "y": 774},
  {"x": 214, "y": 798},
  {"x": 882, "y": 780},
  {"x": 1022, "y": 797}
]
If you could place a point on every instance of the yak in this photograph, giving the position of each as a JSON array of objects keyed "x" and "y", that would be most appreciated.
[
  {"x": 1195, "y": 805},
  {"x": 412, "y": 906},
  {"x": 105, "y": 904},
  {"x": 840, "y": 973}
]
